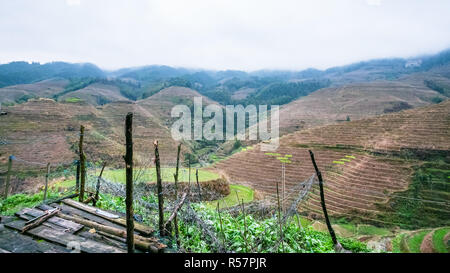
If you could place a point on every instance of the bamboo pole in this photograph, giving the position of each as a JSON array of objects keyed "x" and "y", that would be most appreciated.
[
  {"x": 77, "y": 178},
  {"x": 46, "y": 181},
  {"x": 279, "y": 218},
  {"x": 175, "y": 211},
  {"x": 322, "y": 200},
  {"x": 8, "y": 176},
  {"x": 245, "y": 227},
  {"x": 82, "y": 164},
  {"x": 175, "y": 220},
  {"x": 97, "y": 188},
  {"x": 198, "y": 185},
  {"x": 159, "y": 190},
  {"x": 129, "y": 181}
]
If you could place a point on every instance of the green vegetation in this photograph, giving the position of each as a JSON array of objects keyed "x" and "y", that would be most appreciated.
[
  {"x": 396, "y": 243},
  {"x": 74, "y": 85},
  {"x": 439, "y": 87},
  {"x": 243, "y": 193},
  {"x": 372, "y": 230},
  {"x": 149, "y": 174},
  {"x": 415, "y": 241},
  {"x": 16, "y": 202},
  {"x": 438, "y": 240},
  {"x": 23, "y": 72},
  {"x": 284, "y": 92},
  {"x": 425, "y": 203},
  {"x": 262, "y": 234},
  {"x": 338, "y": 162},
  {"x": 25, "y": 98},
  {"x": 73, "y": 100}
]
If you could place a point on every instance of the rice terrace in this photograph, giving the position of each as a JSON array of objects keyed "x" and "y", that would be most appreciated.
[{"x": 89, "y": 161}]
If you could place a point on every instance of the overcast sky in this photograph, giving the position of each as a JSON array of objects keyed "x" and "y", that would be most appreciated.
[{"x": 216, "y": 34}]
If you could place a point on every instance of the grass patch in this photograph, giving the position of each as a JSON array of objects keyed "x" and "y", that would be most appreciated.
[
  {"x": 65, "y": 184},
  {"x": 396, "y": 242},
  {"x": 73, "y": 100},
  {"x": 149, "y": 175},
  {"x": 438, "y": 240},
  {"x": 409, "y": 209},
  {"x": 243, "y": 193},
  {"x": 17, "y": 202},
  {"x": 415, "y": 241},
  {"x": 372, "y": 230}
]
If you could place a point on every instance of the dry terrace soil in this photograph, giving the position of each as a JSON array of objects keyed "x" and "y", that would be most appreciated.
[{"x": 361, "y": 179}]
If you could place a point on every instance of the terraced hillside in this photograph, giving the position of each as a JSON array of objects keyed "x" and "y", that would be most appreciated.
[
  {"x": 46, "y": 88},
  {"x": 435, "y": 240},
  {"x": 358, "y": 162},
  {"x": 96, "y": 94},
  {"x": 161, "y": 103},
  {"x": 354, "y": 101},
  {"x": 47, "y": 131},
  {"x": 425, "y": 128}
]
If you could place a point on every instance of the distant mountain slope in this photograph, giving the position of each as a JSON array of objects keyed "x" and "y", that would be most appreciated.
[
  {"x": 353, "y": 101},
  {"x": 22, "y": 72},
  {"x": 96, "y": 94},
  {"x": 45, "y": 88},
  {"x": 161, "y": 103},
  {"x": 424, "y": 128}
]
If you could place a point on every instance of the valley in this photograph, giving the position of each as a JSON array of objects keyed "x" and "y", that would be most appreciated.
[{"x": 380, "y": 133}]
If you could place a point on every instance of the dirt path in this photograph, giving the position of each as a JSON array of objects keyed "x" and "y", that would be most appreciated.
[{"x": 427, "y": 243}]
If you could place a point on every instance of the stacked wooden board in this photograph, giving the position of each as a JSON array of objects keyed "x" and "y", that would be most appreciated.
[{"x": 75, "y": 227}]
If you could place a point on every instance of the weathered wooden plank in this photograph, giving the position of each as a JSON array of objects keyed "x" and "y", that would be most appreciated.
[
  {"x": 14, "y": 242},
  {"x": 121, "y": 221},
  {"x": 4, "y": 251},
  {"x": 76, "y": 212},
  {"x": 46, "y": 223},
  {"x": 99, "y": 237},
  {"x": 66, "y": 239},
  {"x": 66, "y": 224}
]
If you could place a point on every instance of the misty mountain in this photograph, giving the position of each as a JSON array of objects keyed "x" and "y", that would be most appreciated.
[{"x": 24, "y": 72}]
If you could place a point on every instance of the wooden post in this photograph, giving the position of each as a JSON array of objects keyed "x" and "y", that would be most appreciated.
[
  {"x": 77, "y": 177},
  {"x": 8, "y": 176},
  {"x": 159, "y": 190},
  {"x": 221, "y": 227},
  {"x": 129, "y": 181},
  {"x": 189, "y": 165},
  {"x": 82, "y": 165},
  {"x": 322, "y": 200},
  {"x": 175, "y": 221},
  {"x": 198, "y": 185},
  {"x": 245, "y": 227},
  {"x": 279, "y": 218},
  {"x": 97, "y": 188},
  {"x": 46, "y": 181},
  {"x": 283, "y": 202}
]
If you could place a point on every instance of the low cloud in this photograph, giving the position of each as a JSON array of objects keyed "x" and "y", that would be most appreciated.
[{"x": 73, "y": 2}]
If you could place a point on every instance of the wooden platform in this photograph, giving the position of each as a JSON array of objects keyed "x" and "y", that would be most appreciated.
[{"x": 77, "y": 227}]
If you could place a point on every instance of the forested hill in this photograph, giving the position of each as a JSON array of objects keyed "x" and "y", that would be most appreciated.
[{"x": 23, "y": 72}]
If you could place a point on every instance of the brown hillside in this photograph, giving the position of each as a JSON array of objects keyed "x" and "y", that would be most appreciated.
[
  {"x": 161, "y": 103},
  {"x": 356, "y": 101},
  {"x": 45, "y": 88},
  {"x": 355, "y": 179},
  {"x": 47, "y": 131},
  {"x": 96, "y": 94}
]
